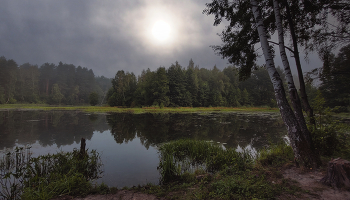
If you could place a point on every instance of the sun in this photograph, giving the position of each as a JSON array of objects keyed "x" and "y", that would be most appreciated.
[{"x": 161, "y": 31}]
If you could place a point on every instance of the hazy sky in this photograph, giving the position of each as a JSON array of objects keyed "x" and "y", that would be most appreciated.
[{"x": 107, "y": 36}]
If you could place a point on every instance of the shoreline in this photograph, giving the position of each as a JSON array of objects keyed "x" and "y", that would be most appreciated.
[{"x": 107, "y": 109}]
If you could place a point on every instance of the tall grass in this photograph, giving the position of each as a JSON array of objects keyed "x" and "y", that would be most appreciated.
[
  {"x": 47, "y": 176},
  {"x": 275, "y": 155},
  {"x": 224, "y": 173},
  {"x": 12, "y": 170},
  {"x": 180, "y": 156}
]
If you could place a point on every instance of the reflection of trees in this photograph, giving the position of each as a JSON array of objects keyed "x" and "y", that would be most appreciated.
[
  {"x": 99, "y": 122},
  {"x": 123, "y": 127},
  {"x": 16, "y": 128},
  {"x": 50, "y": 127},
  {"x": 64, "y": 128},
  {"x": 233, "y": 129}
]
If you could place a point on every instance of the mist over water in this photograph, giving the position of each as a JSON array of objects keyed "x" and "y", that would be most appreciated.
[{"x": 128, "y": 143}]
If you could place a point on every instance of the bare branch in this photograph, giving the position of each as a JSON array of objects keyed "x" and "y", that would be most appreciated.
[{"x": 284, "y": 46}]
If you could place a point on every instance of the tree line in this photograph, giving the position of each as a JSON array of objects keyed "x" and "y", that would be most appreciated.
[
  {"x": 49, "y": 83},
  {"x": 191, "y": 87}
]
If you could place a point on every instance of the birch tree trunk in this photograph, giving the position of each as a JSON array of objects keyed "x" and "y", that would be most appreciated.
[
  {"x": 293, "y": 93},
  {"x": 301, "y": 147},
  {"x": 305, "y": 101}
]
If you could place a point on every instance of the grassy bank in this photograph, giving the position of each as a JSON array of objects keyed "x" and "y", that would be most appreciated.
[
  {"x": 193, "y": 169},
  {"x": 190, "y": 169},
  {"x": 106, "y": 109}
]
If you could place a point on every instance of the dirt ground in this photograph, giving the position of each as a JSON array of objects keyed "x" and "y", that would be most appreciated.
[
  {"x": 120, "y": 195},
  {"x": 308, "y": 180}
]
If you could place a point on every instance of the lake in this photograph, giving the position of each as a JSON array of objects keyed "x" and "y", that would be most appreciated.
[{"x": 128, "y": 143}]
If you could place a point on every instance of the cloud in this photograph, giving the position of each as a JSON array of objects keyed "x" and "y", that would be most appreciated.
[{"x": 107, "y": 36}]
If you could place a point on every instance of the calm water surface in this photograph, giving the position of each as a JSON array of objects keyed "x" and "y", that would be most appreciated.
[{"x": 128, "y": 143}]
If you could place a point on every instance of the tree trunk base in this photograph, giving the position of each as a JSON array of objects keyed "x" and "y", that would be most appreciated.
[{"x": 338, "y": 174}]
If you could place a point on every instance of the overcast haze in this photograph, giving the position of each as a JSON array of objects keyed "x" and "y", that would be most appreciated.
[{"x": 107, "y": 36}]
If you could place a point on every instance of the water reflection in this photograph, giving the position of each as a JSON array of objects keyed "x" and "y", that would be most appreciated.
[
  {"x": 232, "y": 129},
  {"x": 128, "y": 142},
  {"x": 48, "y": 128}
]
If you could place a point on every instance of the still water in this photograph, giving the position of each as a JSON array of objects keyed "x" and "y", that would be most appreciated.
[{"x": 128, "y": 143}]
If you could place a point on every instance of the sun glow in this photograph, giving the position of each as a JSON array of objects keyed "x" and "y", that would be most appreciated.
[{"x": 161, "y": 31}]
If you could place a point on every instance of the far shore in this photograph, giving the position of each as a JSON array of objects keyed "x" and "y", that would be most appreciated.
[{"x": 155, "y": 109}]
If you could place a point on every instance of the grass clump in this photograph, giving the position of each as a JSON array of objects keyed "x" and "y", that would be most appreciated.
[
  {"x": 193, "y": 169},
  {"x": 275, "y": 155},
  {"x": 48, "y": 176},
  {"x": 181, "y": 156}
]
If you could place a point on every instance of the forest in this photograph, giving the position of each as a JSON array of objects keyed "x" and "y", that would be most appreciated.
[
  {"x": 49, "y": 83},
  {"x": 200, "y": 87},
  {"x": 189, "y": 86}
]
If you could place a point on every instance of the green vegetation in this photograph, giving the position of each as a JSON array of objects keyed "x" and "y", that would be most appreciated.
[
  {"x": 186, "y": 171},
  {"x": 48, "y": 176},
  {"x": 330, "y": 136},
  {"x": 194, "y": 169},
  {"x": 191, "y": 87},
  {"x": 176, "y": 86},
  {"x": 179, "y": 156},
  {"x": 335, "y": 77},
  {"x": 52, "y": 84},
  {"x": 154, "y": 109},
  {"x": 93, "y": 98}
]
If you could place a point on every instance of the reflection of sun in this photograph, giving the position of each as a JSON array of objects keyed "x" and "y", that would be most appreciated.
[{"x": 161, "y": 31}]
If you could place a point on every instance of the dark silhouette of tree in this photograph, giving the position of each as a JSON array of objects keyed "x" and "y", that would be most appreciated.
[{"x": 93, "y": 98}]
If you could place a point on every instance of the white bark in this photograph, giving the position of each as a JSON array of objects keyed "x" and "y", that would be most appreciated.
[
  {"x": 270, "y": 65},
  {"x": 293, "y": 93},
  {"x": 283, "y": 54},
  {"x": 301, "y": 147},
  {"x": 287, "y": 114}
]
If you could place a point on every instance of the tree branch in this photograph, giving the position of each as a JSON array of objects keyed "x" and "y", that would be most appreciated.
[{"x": 284, "y": 46}]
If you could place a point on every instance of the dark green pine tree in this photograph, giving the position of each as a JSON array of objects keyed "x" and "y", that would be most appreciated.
[
  {"x": 8, "y": 78},
  {"x": 192, "y": 86},
  {"x": 177, "y": 86},
  {"x": 161, "y": 88},
  {"x": 46, "y": 79},
  {"x": 335, "y": 79}
]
